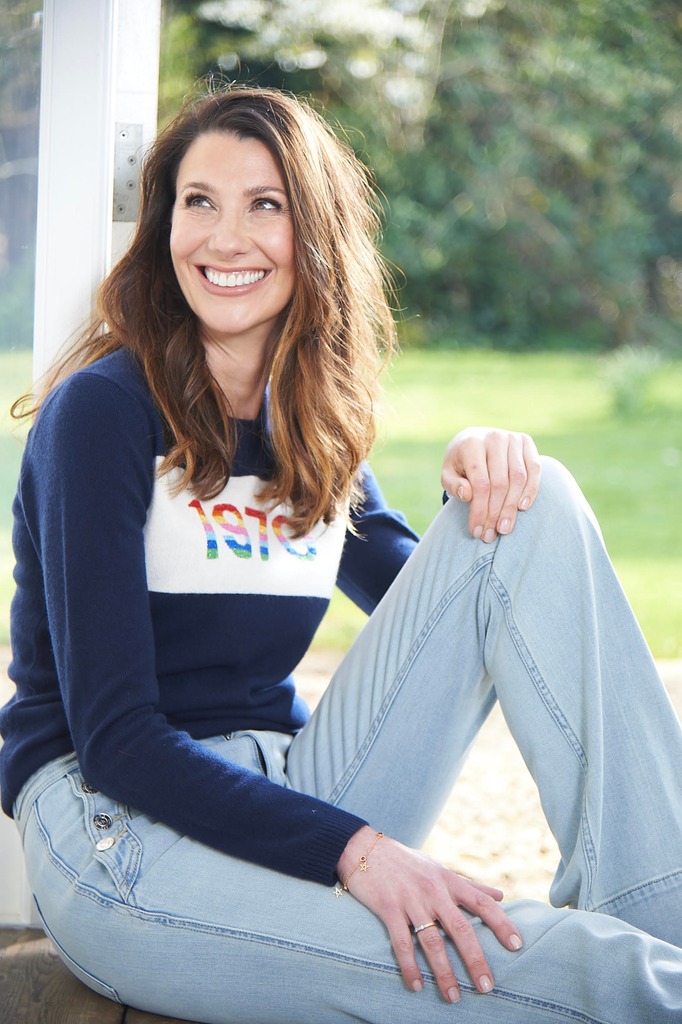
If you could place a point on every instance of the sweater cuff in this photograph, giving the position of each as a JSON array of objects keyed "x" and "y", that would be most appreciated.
[{"x": 326, "y": 847}]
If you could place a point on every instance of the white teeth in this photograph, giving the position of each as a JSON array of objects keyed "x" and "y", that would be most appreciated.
[{"x": 233, "y": 280}]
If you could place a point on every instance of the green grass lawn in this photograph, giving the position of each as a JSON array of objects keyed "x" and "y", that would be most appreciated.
[{"x": 630, "y": 468}]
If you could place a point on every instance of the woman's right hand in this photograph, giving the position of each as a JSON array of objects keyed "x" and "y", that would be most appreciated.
[{"x": 405, "y": 888}]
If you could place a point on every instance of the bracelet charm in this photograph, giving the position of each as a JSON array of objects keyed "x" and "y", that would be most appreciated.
[{"x": 362, "y": 864}]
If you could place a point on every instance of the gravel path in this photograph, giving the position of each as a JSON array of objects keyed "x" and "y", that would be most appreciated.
[{"x": 505, "y": 840}]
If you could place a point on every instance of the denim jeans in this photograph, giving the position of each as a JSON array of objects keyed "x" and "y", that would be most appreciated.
[{"x": 536, "y": 620}]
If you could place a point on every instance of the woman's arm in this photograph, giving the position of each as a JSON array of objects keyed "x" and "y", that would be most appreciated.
[
  {"x": 375, "y": 553},
  {"x": 85, "y": 493}
]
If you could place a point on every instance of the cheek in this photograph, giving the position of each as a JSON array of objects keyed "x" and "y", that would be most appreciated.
[
  {"x": 180, "y": 249},
  {"x": 183, "y": 240}
]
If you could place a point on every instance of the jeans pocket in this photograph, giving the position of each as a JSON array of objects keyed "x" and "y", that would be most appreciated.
[
  {"x": 272, "y": 750},
  {"x": 242, "y": 748}
]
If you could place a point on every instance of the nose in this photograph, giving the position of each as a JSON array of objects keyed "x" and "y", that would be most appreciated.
[{"x": 230, "y": 236}]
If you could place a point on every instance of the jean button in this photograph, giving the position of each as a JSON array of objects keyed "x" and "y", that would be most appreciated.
[
  {"x": 88, "y": 789},
  {"x": 102, "y": 822},
  {"x": 105, "y": 844}
]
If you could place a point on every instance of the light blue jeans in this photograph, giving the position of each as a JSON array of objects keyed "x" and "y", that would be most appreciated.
[{"x": 536, "y": 620}]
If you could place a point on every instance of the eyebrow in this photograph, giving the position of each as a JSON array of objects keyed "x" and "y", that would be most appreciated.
[{"x": 255, "y": 190}]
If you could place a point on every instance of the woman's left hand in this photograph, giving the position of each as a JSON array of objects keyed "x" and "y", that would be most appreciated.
[{"x": 497, "y": 472}]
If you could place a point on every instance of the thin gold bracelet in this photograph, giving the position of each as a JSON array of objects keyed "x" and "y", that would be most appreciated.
[{"x": 362, "y": 864}]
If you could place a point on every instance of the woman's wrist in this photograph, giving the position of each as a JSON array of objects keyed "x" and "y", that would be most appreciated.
[{"x": 357, "y": 850}]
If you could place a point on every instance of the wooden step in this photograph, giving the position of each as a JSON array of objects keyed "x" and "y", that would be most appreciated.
[{"x": 36, "y": 988}]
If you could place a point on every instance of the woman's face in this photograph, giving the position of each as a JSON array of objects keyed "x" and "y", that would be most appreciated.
[{"x": 232, "y": 239}]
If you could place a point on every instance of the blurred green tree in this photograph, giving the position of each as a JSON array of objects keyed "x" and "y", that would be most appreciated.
[{"x": 529, "y": 151}]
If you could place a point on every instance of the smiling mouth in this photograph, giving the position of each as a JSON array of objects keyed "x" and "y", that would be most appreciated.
[{"x": 234, "y": 279}]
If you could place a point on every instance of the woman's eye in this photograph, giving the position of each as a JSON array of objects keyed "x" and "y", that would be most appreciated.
[
  {"x": 265, "y": 203},
  {"x": 193, "y": 201}
]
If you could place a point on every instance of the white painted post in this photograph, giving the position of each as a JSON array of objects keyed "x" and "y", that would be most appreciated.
[
  {"x": 99, "y": 67},
  {"x": 137, "y": 92},
  {"x": 75, "y": 167}
]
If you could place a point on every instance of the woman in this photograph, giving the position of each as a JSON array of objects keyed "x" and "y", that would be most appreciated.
[{"x": 193, "y": 486}]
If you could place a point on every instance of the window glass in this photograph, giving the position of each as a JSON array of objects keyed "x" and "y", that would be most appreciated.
[
  {"x": 20, "y": 46},
  {"x": 20, "y": 55}
]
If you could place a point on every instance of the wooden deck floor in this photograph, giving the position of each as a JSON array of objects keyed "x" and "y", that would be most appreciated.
[{"x": 36, "y": 988}]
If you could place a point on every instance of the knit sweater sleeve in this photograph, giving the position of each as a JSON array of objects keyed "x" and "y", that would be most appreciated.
[
  {"x": 378, "y": 548},
  {"x": 85, "y": 491}
]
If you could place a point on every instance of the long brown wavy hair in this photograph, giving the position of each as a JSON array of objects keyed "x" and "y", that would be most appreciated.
[{"x": 324, "y": 366}]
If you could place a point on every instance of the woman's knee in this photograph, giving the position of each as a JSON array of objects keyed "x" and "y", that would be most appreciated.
[{"x": 560, "y": 496}]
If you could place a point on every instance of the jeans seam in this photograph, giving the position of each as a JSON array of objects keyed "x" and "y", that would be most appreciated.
[
  {"x": 536, "y": 676},
  {"x": 634, "y": 890},
  {"x": 544, "y": 1005},
  {"x": 432, "y": 619},
  {"x": 63, "y": 868},
  {"x": 555, "y": 712},
  {"x": 99, "y": 982}
]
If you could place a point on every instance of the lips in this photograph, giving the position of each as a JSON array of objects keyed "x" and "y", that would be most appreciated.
[{"x": 233, "y": 279}]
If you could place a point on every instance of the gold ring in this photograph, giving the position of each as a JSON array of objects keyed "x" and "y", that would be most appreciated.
[{"x": 421, "y": 927}]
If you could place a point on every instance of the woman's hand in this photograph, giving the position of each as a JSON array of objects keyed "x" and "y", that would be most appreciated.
[
  {"x": 497, "y": 472},
  {"x": 405, "y": 889}
]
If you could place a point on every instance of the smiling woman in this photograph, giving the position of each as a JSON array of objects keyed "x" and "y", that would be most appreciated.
[
  {"x": 193, "y": 487},
  {"x": 334, "y": 318},
  {"x": 232, "y": 246}
]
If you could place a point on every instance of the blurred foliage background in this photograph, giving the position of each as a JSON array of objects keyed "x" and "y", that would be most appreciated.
[{"x": 529, "y": 151}]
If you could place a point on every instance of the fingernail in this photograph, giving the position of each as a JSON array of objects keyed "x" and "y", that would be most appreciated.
[
  {"x": 515, "y": 941},
  {"x": 505, "y": 526},
  {"x": 478, "y": 530},
  {"x": 453, "y": 995},
  {"x": 460, "y": 493},
  {"x": 524, "y": 503},
  {"x": 489, "y": 536},
  {"x": 485, "y": 984},
  {"x": 416, "y": 986}
]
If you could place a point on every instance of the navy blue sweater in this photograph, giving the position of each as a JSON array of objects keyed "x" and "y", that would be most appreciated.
[{"x": 145, "y": 620}]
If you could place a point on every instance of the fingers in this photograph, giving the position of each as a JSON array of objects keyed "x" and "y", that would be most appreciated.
[
  {"x": 485, "y": 906},
  {"x": 403, "y": 947},
  {"x": 506, "y": 482},
  {"x": 480, "y": 901},
  {"x": 509, "y": 478},
  {"x": 497, "y": 472},
  {"x": 408, "y": 890},
  {"x": 464, "y": 937},
  {"x": 493, "y": 891},
  {"x": 431, "y": 941},
  {"x": 459, "y": 928}
]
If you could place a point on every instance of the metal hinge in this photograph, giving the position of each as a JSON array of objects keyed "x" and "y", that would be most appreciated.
[{"x": 127, "y": 165}]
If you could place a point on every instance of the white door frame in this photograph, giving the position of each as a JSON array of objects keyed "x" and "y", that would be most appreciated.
[{"x": 99, "y": 70}]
